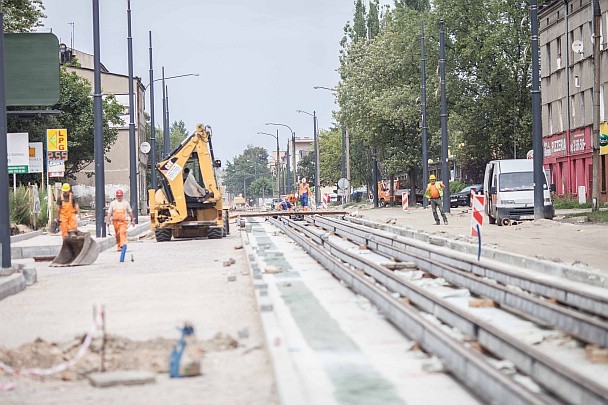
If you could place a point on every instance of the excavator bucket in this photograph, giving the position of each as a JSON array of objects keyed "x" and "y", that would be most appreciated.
[{"x": 78, "y": 249}]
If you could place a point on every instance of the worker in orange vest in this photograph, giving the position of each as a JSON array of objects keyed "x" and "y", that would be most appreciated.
[
  {"x": 119, "y": 210},
  {"x": 304, "y": 194},
  {"x": 67, "y": 209}
]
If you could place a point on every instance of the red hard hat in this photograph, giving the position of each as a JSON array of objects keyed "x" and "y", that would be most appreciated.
[{"x": 119, "y": 192}]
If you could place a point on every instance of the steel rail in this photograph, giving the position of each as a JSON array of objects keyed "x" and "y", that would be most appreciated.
[
  {"x": 582, "y": 326},
  {"x": 466, "y": 365},
  {"x": 568, "y": 384},
  {"x": 582, "y": 297}
]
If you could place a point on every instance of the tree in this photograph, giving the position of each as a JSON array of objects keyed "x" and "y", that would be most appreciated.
[
  {"x": 247, "y": 167},
  {"x": 262, "y": 187},
  {"x": 373, "y": 19},
  {"x": 306, "y": 167},
  {"x": 177, "y": 133},
  {"x": 22, "y": 15},
  {"x": 77, "y": 117},
  {"x": 359, "y": 25},
  {"x": 330, "y": 145}
]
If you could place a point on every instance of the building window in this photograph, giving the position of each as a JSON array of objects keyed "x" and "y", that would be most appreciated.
[
  {"x": 560, "y": 111},
  {"x": 558, "y": 43},
  {"x": 573, "y": 108},
  {"x": 582, "y": 114},
  {"x": 550, "y": 107},
  {"x": 548, "y": 59}
]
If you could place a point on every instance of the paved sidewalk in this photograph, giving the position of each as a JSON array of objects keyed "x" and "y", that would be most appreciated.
[
  {"x": 47, "y": 244},
  {"x": 160, "y": 286},
  {"x": 580, "y": 244}
]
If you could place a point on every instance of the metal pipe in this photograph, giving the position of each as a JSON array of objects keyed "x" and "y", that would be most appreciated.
[
  {"x": 537, "y": 136},
  {"x": 595, "y": 142},
  {"x": 165, "y": 131},
  {"x": 132, "y": 140},
  {"x": 100, "y": 195},
  {"x": 152, "y": 129},
  {"x": 444, "y": 123},
  {"x": 5, "y": 235},
  {"x": 425, "y": 155}
]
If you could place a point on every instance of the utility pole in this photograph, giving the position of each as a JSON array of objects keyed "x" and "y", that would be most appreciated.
[
  {"x": 293, "y": 148},
  {"x": 288, "y": 168},
  {"x": 537, "y": 136},
  {"x": 132, "y": 140},
  {"x": 100, "y": 194},
  {"x": 444, "y": 123},
  {"x": 317, "y": 158},
  {"x": 347, "y": 147},
  {"x": 5, "y": 231},
  {"x": 375, "y": 177},
  {"x": 165, "y": 130},
  {"x": 152, "y": 129},
  {"x": 277, "y": 164},
  {"x": 425, "y": 141},
  {"x": 595, "y": 143}
]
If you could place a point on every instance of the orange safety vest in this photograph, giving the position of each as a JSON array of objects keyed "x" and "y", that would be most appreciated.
[{"x": 119, "y": 211}]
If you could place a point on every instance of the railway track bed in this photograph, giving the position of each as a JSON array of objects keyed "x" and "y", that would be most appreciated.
[{"x": 478, "y": 318}]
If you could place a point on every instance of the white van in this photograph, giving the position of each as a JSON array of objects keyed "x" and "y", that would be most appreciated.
[{"x": 509, "y": 190}]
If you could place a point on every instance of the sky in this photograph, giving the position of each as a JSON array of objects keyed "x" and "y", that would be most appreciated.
[{"x": 258, "y": 60}]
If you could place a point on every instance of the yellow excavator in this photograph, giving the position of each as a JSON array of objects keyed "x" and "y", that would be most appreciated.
[{"x": 188, "y": 201}]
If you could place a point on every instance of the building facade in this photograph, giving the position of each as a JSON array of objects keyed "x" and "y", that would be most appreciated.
[
  {"x": 566, "y": 52},
  {"x": 116, "y": 166}
]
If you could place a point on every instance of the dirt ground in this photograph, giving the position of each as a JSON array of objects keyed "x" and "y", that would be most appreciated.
[
  {"x": 559, "y": 240},
  {"x": 158, "y": 288}
]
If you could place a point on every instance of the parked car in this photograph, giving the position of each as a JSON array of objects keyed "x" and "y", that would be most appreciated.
[
  {"x": 358, "y": 195},
  {"x": 463, "y": 198}
]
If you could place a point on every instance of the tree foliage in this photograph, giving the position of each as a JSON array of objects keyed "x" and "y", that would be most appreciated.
[
  {"x": 77, "y": 117},
  {"x": 245, "y": 171},
  {"x": 22, "y": 15},
  {"x": 177, "y": 133},
  {"x": 487, "y": 77}
]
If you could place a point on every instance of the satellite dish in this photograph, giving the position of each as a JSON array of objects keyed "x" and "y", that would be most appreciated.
[
  {"x": 577, "y": 46},
  {"x": 144, "y": 147}
]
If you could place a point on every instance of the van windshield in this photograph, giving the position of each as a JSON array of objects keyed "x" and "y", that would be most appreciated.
[{"x": 518, "y": 181}]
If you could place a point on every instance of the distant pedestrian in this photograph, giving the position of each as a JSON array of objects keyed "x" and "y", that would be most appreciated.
[
  {"x": 119, "y": 210},
  {"x": 67, "y": 209},
  {"x": 434, "y": 192},
  {"x": 304, "y": 194}
]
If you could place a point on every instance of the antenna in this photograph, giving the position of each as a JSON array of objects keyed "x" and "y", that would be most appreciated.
[{"x": 72, "y": 36}]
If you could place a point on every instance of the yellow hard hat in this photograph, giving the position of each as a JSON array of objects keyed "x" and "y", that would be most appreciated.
[
  {"x": 432, "y": 177},
  {"x": 65, "y": 187}
]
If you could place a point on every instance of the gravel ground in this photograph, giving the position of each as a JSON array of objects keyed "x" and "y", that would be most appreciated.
[
  {"x": 160, "y": 286},
  {"x": 580, "y": 244}
]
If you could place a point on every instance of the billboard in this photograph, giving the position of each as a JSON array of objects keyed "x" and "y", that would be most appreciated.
[{"x": 18, "y": 153}]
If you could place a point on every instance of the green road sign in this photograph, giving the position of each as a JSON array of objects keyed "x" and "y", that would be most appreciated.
[
  {"x": 17, "y": 169},
  {"x": 603, "y": 139},
  {"x": 31, "y": 66}
]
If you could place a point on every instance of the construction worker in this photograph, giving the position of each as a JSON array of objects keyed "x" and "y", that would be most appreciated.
[
  {"x": 434, "y": 192},
  {"x": 119, "y": 210},
  {"x": 67, "y": 209},
  {"x": 304, "y": 194},
  {"x": 285, "y": 205}
]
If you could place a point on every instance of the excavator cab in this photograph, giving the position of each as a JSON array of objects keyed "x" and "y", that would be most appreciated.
[{"x": 188, "y": 202}]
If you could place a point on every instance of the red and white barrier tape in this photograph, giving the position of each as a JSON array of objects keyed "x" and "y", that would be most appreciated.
[{"x": 66, "y": 364}]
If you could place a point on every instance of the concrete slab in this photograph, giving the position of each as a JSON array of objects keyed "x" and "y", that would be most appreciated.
[
  {"x": 11, "y": 285},
  {"x": 114, "y": 378}
]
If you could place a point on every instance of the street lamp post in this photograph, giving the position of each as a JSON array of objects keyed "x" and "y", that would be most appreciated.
[
  {"x": 293, "y": 142},
  {"x": 132, "y": 140},
  {"x": 276, "y": 161},
  {"x": 315, "y": 145}
]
